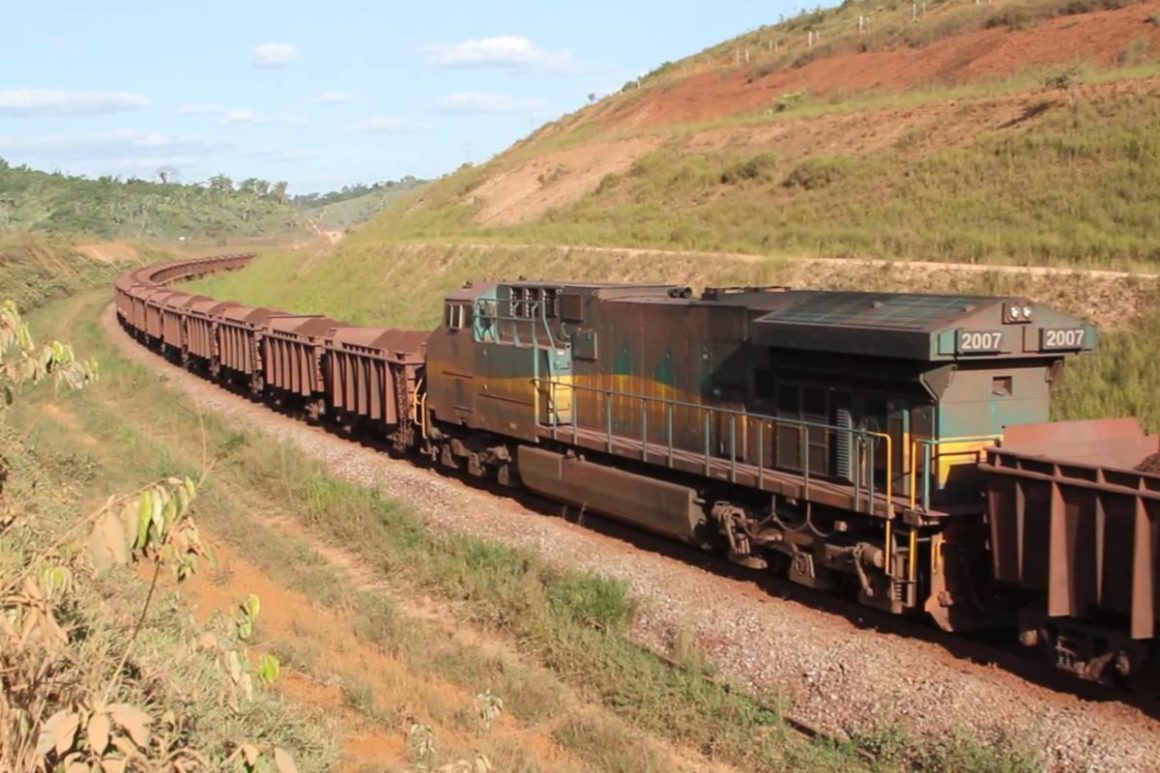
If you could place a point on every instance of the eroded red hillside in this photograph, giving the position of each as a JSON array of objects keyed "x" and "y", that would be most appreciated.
[{"x": 1099, "y": 39}]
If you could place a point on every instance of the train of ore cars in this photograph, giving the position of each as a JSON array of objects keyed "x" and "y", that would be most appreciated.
[{"x": 893, "y": 447}]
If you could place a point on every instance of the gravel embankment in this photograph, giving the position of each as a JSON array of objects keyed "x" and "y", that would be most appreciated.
[{"x": 841, "y": 677}]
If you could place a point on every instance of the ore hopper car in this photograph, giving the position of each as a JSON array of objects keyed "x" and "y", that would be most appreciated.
[{"x": 1074, "y": 511}]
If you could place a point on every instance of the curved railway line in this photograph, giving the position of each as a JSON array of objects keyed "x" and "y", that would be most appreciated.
[{"x": 977, "y": 649}]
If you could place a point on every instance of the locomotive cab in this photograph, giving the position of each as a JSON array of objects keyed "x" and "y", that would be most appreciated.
[{"x": 934, "y": 379}]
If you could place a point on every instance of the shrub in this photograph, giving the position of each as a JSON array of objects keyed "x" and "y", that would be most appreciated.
[
  {"x": 1136, "y": 51},
  {"x": 762, "y": 70},
  {"x": 815, "y": 173},
  {"x": 759, "y": 167},
  {"x": 1014, "y": 18},
  {"x": 1062, "y": 80},
  {"x": 788, "y": 100}
]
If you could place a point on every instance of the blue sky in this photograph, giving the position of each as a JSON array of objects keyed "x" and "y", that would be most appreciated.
[{"x": 324, "y": 93}]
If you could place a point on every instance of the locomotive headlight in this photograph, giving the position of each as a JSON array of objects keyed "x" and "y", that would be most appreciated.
[{"x": 1018, "y": 312}]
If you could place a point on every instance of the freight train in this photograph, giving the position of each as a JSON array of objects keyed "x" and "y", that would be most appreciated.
[{"x": 894, "y": 447}]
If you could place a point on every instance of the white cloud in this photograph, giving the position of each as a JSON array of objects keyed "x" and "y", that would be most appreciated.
[
  {"x": 469, "y": 102},
  {"x": 244, "y": 116},
  {"x": 109, "y": 145},
  {"x": 509, "y": 52},
  {"x": 389, "y": 124},
  {"x": 267, "y": 55},
  {"x": 332, "y": 97},
  {"x": 199, "y": 110},
  {"x": 42, "y": 102}
]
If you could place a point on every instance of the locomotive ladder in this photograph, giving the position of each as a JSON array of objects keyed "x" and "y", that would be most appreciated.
[{"x": 556, "y": 390}]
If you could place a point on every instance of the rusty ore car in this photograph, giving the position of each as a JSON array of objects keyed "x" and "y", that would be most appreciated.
[{"x": 893, "y": 447}]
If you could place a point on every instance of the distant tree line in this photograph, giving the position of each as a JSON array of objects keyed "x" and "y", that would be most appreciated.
[
  {"x": 113, "y": 207},
  {"x": 164, "y": 207},
  {"x": 314, "y": 200}
]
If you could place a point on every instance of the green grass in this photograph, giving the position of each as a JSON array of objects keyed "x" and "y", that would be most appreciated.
[
  {"x": 1122, "y": 379},
  {"x": 348, "y": 214}
]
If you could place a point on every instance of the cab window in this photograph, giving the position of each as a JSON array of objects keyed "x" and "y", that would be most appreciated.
[{"x": 457, "y": 316}]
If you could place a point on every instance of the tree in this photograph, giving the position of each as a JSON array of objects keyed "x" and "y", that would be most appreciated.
[
  {"x": 167, "y": 174},
  {"x": 219, "y": 183},
  {"x": 254, "y": 186},
  {"x": 279, "y": 191}
]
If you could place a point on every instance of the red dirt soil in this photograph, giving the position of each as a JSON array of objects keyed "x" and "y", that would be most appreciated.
[{"x": 1093, "y": 38}]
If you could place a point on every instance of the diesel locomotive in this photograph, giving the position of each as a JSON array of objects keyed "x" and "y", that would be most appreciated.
[{"x": 895, "y": 447}]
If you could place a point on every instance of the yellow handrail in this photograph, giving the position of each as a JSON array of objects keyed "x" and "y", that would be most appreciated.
[
  {"x": 912, "y": 566},
  {"x": 419, "y": 407},
  {"x": 889, "y": 466},
  {"x": 917, "y": 461}
]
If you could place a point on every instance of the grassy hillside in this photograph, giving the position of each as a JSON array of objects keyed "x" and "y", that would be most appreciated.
[
  {"x": 37, "y": 268},
  {"x": 107, "y": 208},
  {"x": 1046, "y": 176},
  {"x": 354, "y": 205},
  {"x": 1013, "y": 133}
]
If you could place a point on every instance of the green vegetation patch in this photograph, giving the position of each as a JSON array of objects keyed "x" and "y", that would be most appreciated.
[
  {"x": 1079, "y": 189},
  {"x": 110, "y": 207}
]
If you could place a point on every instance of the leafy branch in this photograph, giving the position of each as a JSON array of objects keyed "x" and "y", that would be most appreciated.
[{"x": 57, "y": 712}]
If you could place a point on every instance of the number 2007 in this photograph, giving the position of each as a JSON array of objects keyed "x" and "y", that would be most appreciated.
[
  {"x": 1063, "y": 339},
  {"x": 980, "y": 342}
]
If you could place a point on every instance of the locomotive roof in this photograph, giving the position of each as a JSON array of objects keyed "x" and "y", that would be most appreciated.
[
  {"x": 907, "y": 325},
  {"x": 913, "y": 326},
  {"x": 903, "y": 311},
  {"x": 597, "y": 289}
]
